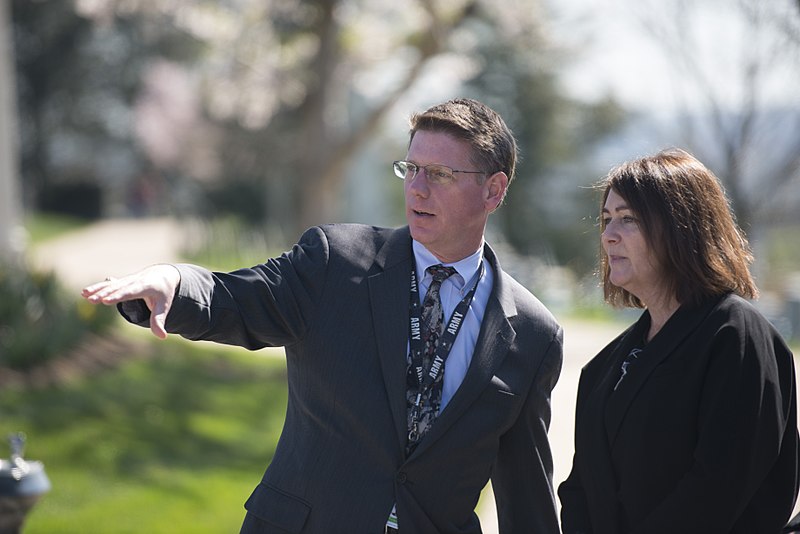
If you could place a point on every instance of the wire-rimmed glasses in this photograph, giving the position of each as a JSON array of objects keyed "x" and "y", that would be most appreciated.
[{"x": 436, "y": 174}]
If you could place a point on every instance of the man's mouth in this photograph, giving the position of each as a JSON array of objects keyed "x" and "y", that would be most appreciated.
[{"x": 422, "y": 213}]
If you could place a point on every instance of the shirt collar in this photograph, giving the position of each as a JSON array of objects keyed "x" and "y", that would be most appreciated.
[{"x": 465, "y": 268}]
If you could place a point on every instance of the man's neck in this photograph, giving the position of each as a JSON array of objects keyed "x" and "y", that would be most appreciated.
[
  {"x": 421, "y": 250},
  {"x": 450, "y": 258}
]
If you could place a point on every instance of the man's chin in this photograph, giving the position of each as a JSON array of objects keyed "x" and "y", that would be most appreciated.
[{"x": 419, "y": 233}]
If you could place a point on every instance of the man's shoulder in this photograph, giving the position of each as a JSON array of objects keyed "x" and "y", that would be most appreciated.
[
  {"x": 360, "y": 243},
  {"x": 355, "y": 231}
]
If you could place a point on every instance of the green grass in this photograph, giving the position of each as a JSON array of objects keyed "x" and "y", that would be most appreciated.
[
  {"x": 171, "y": 442},
  {"x": 45, "y": 226}
]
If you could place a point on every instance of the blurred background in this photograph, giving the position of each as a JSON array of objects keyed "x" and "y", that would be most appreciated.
[{"x": 216, "y": 131}]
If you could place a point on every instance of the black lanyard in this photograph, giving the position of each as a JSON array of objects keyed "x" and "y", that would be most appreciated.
[{"x": 427, "y": 377}]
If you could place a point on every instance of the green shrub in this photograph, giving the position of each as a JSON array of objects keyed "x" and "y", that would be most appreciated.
[{"x": 38, "y": 321}]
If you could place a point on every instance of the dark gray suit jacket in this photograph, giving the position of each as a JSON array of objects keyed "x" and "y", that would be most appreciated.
[{"x": 338, "y": 302}]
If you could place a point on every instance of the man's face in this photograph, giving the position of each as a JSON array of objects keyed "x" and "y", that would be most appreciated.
[{"x": 449, "y": 219}]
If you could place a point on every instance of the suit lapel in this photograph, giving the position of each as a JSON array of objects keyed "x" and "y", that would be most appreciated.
[
  {"x": 389, "y": 296},
  {"x": 682, "y": 323},
  {"x": 495, "y": 338}
]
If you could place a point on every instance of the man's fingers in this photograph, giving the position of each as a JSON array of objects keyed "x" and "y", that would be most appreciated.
[
  {"x": 157, "y": 326},
  {"x": 97, "y": 293},
  {"x": 113, "y": 291},
  {"x": 158, "y": 318},
  {"x": 89, "y": 291}
]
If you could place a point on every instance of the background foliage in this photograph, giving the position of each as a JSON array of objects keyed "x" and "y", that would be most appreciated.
[
  {"x": 39, "y": 320},
  {"x": 261, "y": 110},
  {"x": 136, "y": 449}
]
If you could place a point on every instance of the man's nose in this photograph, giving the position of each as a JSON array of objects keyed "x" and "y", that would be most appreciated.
[{"x": 418, "y": 184}]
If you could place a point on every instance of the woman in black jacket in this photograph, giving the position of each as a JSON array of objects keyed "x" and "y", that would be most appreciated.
[{"x": 687, "y": 421}]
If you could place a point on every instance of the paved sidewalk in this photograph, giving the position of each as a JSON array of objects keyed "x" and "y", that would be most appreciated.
[{"x": 113, "y": 247}]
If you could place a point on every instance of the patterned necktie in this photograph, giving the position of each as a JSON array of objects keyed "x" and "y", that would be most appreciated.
[{"x": 432, "y": 317}]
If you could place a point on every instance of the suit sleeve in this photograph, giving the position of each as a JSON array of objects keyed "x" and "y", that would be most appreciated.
[
  {"x": 745, "y": 412},
  {"x": 522, "y": 478},
  {"x": 575, "y": 517},
  {"x": 271, "y": 304}
]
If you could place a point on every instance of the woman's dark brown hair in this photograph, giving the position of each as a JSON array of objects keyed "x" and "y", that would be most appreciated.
[{"x": 687, "y": 222}]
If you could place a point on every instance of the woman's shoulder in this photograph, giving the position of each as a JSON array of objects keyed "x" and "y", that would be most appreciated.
[
  {"x": 736, "y": 310},
  {"x": 740, "y": 319}
]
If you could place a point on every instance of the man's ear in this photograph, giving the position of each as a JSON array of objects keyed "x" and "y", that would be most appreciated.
[{"x": 495, "y": 190}]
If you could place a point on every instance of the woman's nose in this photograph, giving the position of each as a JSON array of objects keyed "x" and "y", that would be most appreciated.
[{"x": 609, "y": 234}]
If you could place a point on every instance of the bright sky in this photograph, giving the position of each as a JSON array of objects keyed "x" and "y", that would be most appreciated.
[{"x": 619, "y": 54}]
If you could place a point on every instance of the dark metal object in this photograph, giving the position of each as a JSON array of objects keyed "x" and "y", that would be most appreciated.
[{"x": 22, "y": 482}]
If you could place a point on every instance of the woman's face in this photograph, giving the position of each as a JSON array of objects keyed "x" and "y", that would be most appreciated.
[{"x": 631, "y": 261}]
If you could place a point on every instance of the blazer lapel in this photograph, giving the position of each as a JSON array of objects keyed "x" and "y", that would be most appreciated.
[
  {"x": 495, "y": 338},
  {"x": 678, "y": 327},
  {"x": 389, "y": 290}
]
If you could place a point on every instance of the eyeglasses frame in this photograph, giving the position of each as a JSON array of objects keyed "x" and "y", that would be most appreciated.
[{"x": 409, "y": 165}]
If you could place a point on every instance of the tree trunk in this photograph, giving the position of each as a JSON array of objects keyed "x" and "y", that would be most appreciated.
[
  {"x": 327, "y": 157},
  {"x": 11, "y": 233}
]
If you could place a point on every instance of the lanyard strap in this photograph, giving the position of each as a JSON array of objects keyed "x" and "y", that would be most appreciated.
[{"x": 427, "y": 377}]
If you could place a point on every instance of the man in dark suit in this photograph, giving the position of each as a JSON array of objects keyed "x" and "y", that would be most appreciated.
[{"x": 394, "y": 421}]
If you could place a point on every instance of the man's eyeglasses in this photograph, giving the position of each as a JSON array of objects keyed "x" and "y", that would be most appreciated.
[{"x": 436, "y": 174}]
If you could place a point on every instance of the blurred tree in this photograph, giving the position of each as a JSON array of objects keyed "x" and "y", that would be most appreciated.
[
  {"x": 296, "y": 66},
  {"x": 77, "y": 81},
  {"x": 265, "y": 103},
  {"x": 518, "y": 76},
  {"x": 320, "y": 109},
  {"x": 45, "y": 35},
  {"x": 737, "y": 118}
]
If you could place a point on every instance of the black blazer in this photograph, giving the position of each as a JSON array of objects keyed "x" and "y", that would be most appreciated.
[
  {"x": 700, "y": 437},
  {"x": 338, "y": 302}
]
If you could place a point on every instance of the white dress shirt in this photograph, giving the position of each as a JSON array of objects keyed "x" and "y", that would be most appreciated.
[{"x": 452, "y": 292}]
